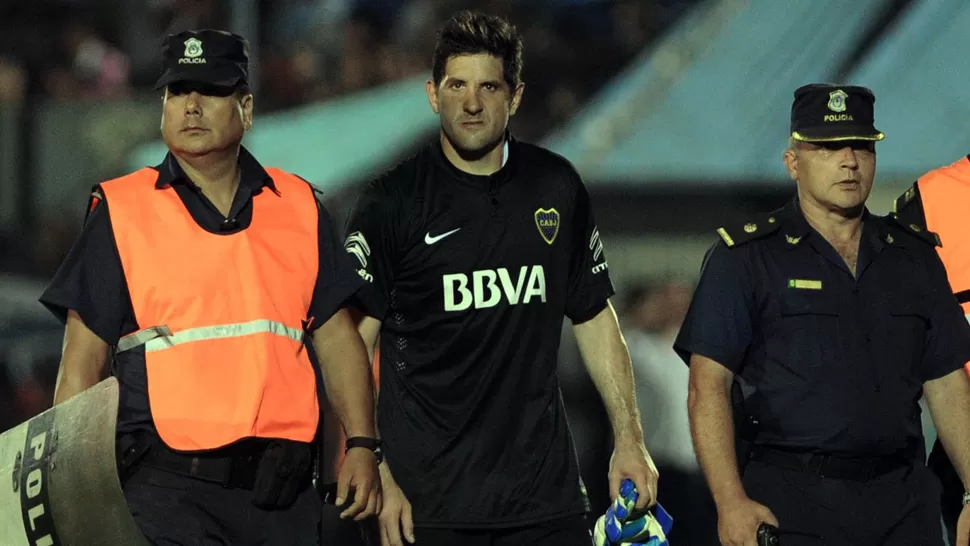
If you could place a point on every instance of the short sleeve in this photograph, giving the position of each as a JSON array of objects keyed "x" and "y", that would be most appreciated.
[
  {"x": 371, "y": 241},
  {"x": 337, "y": 280},
  {"x": 719, "y": 323},
  {"x": 590, "y": 286},
  {"x": 947, "y": 341},
  {"x": 91, "y": 280}
]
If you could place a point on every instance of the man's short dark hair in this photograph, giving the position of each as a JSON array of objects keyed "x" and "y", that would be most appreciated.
[
  {"x": 242, "y": 90},
  {"x": 472, "y": 32}
]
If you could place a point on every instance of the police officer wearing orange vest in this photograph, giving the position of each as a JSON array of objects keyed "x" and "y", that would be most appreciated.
[
  {"x": 938, "y": 203},
  {"x": 204, "y": 276}
]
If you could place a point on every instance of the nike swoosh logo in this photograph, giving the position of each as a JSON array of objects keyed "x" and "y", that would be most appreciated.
[{"x": 429, "y": 240}]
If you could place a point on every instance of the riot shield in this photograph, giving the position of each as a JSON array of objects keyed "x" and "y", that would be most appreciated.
[{"x": 58, "y": 478}]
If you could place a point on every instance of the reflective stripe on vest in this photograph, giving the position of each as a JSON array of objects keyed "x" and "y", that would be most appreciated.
[
  {"x": 945, "y": 193},
  {"x": 159, "y": 338},
  {"x": 220, "y": 316}
]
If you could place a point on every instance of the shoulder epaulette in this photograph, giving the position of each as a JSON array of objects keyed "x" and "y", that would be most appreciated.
[
  {"x": 915, "y": 230},
  {"x": 749, "y": 231},
  {"x": 909, "y": 197}
]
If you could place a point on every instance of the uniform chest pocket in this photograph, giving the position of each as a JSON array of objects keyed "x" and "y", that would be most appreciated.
[
  {"x": 910, "y": 312},
  {"x": 909, "y": 319},
  {"x": 810, "y": 328}
]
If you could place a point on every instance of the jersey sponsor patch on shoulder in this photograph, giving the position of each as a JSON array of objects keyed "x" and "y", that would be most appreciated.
[
  {"x": 596, "y": 247},
  {"x": 356, "y": 245}
]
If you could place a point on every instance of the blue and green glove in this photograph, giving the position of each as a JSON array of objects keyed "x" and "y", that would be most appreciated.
[{"x": 623, "y": 525}]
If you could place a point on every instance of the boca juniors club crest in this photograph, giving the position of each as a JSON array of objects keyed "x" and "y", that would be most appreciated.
[{"x": 547, "y": 220}]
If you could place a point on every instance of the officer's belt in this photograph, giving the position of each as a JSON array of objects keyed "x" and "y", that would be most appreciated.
[
  {"x": 232, "y": 467},
  {"x": 830, "y": 466}
]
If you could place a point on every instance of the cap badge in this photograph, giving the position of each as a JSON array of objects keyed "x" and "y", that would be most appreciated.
[
  {"x": 193, "y": 48},
  {"x": 193, "y": 52},
  {"x": 837, "y": 101}
]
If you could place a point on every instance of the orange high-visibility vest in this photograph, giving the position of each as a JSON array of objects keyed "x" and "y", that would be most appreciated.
[
  {"x": 221, "y": 316},
  {"x": 945, "y": 197},
  {"x": 945, "y": 193}
]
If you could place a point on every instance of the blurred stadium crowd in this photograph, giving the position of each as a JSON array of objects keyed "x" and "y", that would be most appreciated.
[{"x": 312, "y": 50}]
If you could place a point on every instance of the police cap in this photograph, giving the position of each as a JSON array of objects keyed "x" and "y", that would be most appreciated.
[
  {"x": 829, "y": 113},
  {"x": 213, "y": 57}
]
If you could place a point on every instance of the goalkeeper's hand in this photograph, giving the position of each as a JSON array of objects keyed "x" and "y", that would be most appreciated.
[{"x": 623, "y": 524}]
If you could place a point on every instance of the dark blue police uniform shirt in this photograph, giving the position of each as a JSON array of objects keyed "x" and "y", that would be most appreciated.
[
  {"x": 837, "y": 362},
  {"x": 91, "y": 280}
]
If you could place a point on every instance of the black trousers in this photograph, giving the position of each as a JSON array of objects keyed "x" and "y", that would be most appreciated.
[
  {"x": 900, "y": 508},
  {"x": 688, "y": 500},
  {"x": 571, "y": 531},
  {"x": 951, "y": 497},
  {"x": 174, "y": 510},
  {"x": 347, "y": 532}
]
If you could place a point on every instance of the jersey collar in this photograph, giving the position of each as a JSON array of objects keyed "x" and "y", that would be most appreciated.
[{"x": 489, "y": 182}]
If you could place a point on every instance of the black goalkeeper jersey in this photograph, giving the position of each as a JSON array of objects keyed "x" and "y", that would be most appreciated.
[{"x": 472, "y": 277}]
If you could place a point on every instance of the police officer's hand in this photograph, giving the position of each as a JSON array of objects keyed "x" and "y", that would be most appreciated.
[
  {"x": 395, "y": 517},
  {"x": 359, "y": 471},
  {"x": 963, "y": 527},
  {"x": 633, "y": 461},
  {"x": 738, "y": 521}
]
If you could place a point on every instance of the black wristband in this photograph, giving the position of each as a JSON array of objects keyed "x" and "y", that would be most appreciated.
[{"x": 372, "y": 444}]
